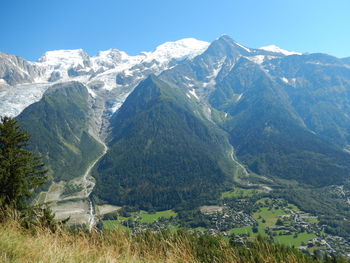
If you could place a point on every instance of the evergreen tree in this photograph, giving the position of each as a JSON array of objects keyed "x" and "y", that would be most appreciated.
[{"x": 21, "y": 171}]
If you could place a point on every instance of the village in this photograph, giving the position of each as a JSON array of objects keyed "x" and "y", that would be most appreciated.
[{"x": 242, "y": 220}]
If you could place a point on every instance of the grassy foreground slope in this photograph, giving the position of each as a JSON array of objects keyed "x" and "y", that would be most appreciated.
[{"x": 19, "y": 245}]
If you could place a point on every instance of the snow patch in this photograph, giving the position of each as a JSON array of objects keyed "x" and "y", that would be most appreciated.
[
  {"x": 3, "y": 82},
  {"x": 193, "y": 93},
  {"x": 259, "y": 59},
  {"x": 245, "y": 48},
  {"x": 116, "y": 107},
  {"x": 215, "y": 71},
  {"x": 91, "y": 92},
  {"x": 57, "y": 58},
  {"x": 110, "y": 58},
  {"x": 290, "y": 81},
  {"x": 63, "y": 60},
  {"x": 285, "y": 80},
  {"x": 276, "y": 49},
  {"x": 181, "y": 49}
]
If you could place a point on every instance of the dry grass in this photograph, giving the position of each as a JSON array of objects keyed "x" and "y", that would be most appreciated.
[
  {"x": 41, "y": 245},
  {"x": 18, "y": 245}
]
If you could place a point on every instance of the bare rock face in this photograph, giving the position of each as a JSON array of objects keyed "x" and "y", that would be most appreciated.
[{"x": 15, "y": 70}]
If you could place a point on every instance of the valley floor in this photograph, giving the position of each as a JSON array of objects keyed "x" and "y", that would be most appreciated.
[{"x": 241, "y": 220}]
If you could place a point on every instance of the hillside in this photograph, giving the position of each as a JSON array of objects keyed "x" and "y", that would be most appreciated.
[
  {"x": 268, "y": 133},
  {"x": 161, "y": 152},
  {"x": 59, "y": 128}
]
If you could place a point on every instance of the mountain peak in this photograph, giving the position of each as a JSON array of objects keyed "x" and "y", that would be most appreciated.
[
  {"x": 152, "y": 78},
  {"x": 153, "y": 88},
  {"x": 226, "y": 46},
  {"x": 154, "y": 83},
  {"x": 149, "y": 88},
  {"x": 225, "y": 38},
  {"x": 110, "y": 58},
  {"x": 110, "y": 53},
  {"x": 180, "y": 49},
  {"x": 67, "y": 56},
  {"x": 276, "y": 49}
]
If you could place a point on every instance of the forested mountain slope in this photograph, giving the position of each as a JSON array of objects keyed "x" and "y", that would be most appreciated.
[{"x": 161, "y": 152}]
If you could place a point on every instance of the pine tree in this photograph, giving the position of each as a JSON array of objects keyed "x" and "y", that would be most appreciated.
[{"x": 21, "y": 171}]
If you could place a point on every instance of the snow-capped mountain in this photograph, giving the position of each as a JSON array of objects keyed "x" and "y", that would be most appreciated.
[
  {"x": 179, "y": 50},
  {"x": 108, "y": 59},
  {"x": 62, "y": 64},
  {"x": 113, "y": 73},
  {"x": 65, "y": 64},
  {"x": 107, "y": 71}
]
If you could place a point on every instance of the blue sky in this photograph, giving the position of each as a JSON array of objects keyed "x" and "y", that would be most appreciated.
[{"x": 28, "y": 28}]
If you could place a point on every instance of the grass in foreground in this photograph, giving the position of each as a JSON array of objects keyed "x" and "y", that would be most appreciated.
[{"x": 41, "y": 245}]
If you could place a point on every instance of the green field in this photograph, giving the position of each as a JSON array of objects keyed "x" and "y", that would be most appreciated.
[
  {"x": 239, "y": 192},
  {"x": 242, "y": 230},
  {"x": 112, "y": 225},
  {"x": 290, "y": 240},
  {"x": 269, "y": 215},
  {"x": 152, "y": 217},
  {"x": 311, "y": 220},
  {"x": 264, "y": 201},
  {"x": 293, "y": 207},
  {"x": 200, "y": 228},
  {"x": 142, "y": 216}
]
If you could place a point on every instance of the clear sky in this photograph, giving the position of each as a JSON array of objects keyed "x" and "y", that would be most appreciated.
[{"x": 28, "y": 28}]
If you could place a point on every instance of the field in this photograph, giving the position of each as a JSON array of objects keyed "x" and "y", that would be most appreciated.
[
  {"x": 267, "y": 217},
  {"x": 142, "y": 217},
  {"x": 239, "y": 192},
  {"x": 113, "y": 225},
  {"x": 291, "y": 240},
  {"x": 248, "y": 230},
  {"x": 152, "y": 217}
]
